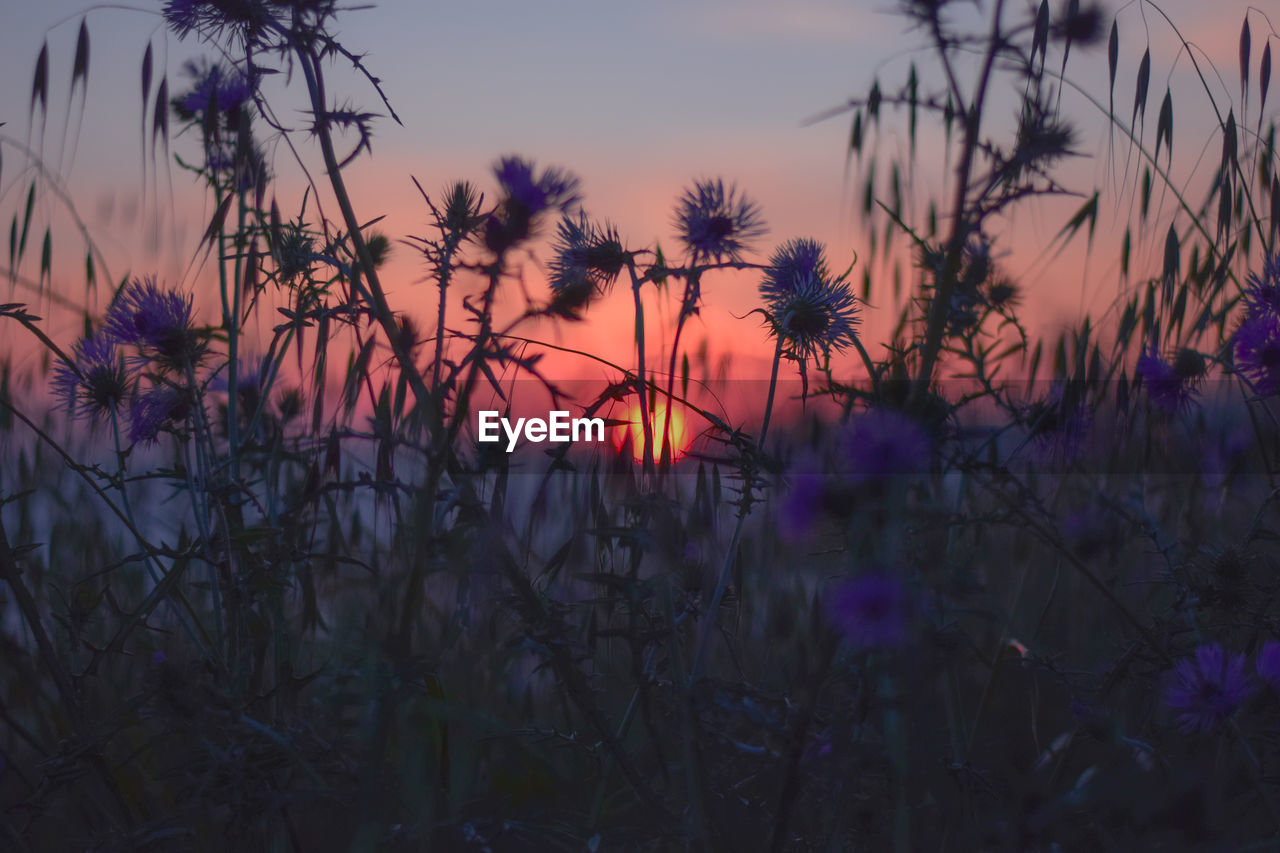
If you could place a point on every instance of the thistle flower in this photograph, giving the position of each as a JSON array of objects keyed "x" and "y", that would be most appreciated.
[
  {"x": 816, "y": 315},
  {"x": 884, "y": 442},
  {"x": 717, "y": 224},
  {"x": 871, "y": 610},
  {"x": 795, "y": 260},
  {"x": 156, "y": 321},
  {"x": 587, "y": 260},
  {"x": 217, "y": 89},
  {"x": 97, "y": 382},
  {"x": 525, "y": 197},
  {"x": 1262, "y": 290},
  {"x": 1257, "y": 352},
  {"x": 1207, "y": 689},
  {"x": 211, "y": 19},
  {"x": 151, "y": 412},
  {"x": 554, "y": 188},
  {"x": 1171, "y": 386}
]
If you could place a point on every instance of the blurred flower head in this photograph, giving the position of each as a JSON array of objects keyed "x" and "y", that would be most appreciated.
[
  {"x": 1171, "y": 386},
  {"x": 800, "y": 507},
  {"x": 587, "y": 260},
  {"x": 795, "y": 260},
  {"x": 884, "y": 442},
  {"x": 217, "y": 90},
  {"x": 1207, "y": 689},
  {"x": 157, "y": 322},
  {"x": 717, "y": 224},
  {"x": 526, "y": 195},
  {"x": 151, "y": 412},
  {"x": 97, "y": 382},
  {"x": 1257, "y": 352},
  {"x": 1262, "y": 289},
  {"x": 870, "y": 610}
]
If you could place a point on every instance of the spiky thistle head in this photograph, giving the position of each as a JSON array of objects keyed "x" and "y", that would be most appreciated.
[
  {"x": 717, "y": 223},
  {"x": 96, "y": 382},
  {"x": 158, "y": 322},
  {"x": 587, "y": 260},
  {"x": 795, "y": 260},
  {"x": 816, "y": 315}
]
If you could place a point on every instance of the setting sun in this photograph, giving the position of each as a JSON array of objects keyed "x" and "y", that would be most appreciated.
[{"x": 632, "y": 432}]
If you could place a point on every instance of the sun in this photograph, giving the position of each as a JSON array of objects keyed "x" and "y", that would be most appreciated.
[{"x": 631, "y": 432}]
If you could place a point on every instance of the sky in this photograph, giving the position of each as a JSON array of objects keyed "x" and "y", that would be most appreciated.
[{"x": 638, "y": 99}]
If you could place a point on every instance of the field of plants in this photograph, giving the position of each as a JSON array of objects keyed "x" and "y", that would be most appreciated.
[{"x": 970, "y": 585}]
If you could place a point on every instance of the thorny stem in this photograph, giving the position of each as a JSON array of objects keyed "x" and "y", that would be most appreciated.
[{"x": 940, "y": 304}]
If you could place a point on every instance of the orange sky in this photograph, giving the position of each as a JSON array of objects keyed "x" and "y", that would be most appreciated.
[{"x": 637, "y": 137}]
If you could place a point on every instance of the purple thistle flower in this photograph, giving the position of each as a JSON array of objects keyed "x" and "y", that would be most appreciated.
[
  {"x": 1262, "y": 290},
  {"x": 554, "y": 188},
  {"x": 871, "y": 610},
  {"x": 795, "y": 260},
  {"x": 1269, "y": 664},
  {"x": 1171, "y": 386},
  {"x": 151, "y": 412},
  {"x": 884, "y": 442},
  {"x": 156, "y": 321},
  {"x": 717, "y": 224},
  {"x": 816, "y": 315},
  {"x": 525, "y": 197},
  {"x": 1257, "y": 352},
  {"x": 1208, "y": 689},
  {"x": 224, "y": 89},
  {"x": 97, "y": 383},
  {"x": 211, "y": 18}
]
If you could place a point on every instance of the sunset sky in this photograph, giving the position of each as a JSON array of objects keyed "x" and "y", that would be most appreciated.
[{"x": 638, "y": 99}]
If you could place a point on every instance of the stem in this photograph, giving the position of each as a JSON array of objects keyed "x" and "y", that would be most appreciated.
[
  {"x": 944, "y": 284},
  {"x": 641, "y": 377}
]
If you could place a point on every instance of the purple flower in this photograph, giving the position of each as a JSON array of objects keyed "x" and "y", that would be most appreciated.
[
  {"x": 794, "y": 261},
  {"x": 151, "y": 412},
  {"x": 535, "y": 194},
  {"x": 815, "y": 315},
  {"x": 211, "y": 18},
  {"x": 156, "y": 321},
  {"x": 1262, "y": 290},
  {"x": 526, "y": 195},
  {"x": 1269, "y": 664},
  {"x": 96, "y": 382},
  {"x": 1207, "y": 689},
  {"x": 871, "y": 610},
  {"x": 1257, "y": 351},
  {"x": 1171, "y": 386},
  {"x": 717, "y": 224},
  {"x": 884, "y": 442},
  {"x": 223, "y": 89}
]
